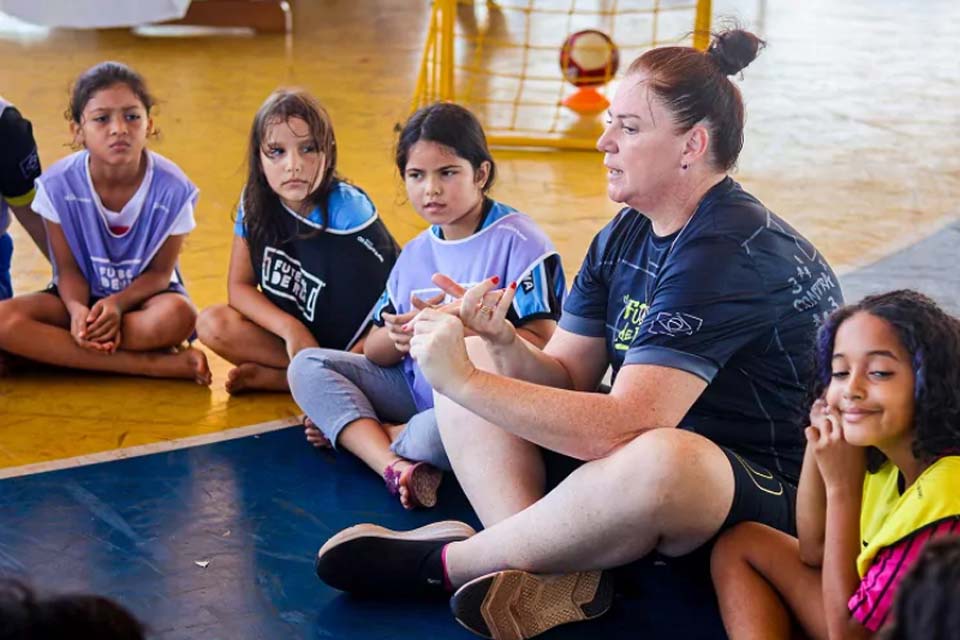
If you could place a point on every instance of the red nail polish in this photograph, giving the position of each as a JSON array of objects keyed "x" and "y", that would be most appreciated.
[
  {"x": 495, "y": 279},
  {"x": 513, "y": 285}
]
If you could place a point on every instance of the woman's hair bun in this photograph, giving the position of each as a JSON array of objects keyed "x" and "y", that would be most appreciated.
[{"x": 733, "y": 50}]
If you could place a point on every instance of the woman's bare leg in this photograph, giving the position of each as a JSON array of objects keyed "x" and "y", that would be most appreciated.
[
  {"x": 501, "y": 473},
  {"x": 649, "y": 494}
]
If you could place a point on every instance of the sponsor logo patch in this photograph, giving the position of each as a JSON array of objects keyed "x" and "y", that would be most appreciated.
[{"x": 675, "y": 324}]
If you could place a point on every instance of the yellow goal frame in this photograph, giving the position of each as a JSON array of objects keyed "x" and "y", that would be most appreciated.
[{"x": 436, "y": 82}]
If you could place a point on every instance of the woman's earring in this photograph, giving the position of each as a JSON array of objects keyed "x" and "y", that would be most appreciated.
[{"x": 684, "y": 166}]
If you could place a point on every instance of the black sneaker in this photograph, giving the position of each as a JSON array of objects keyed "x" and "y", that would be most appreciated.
[
  {"x": 373, "y": 561},
  {"x": 513, "y": 605}
]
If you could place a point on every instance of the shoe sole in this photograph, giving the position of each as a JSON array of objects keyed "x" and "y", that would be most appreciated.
[
  {"x": 515, "y": 605},
  {"x": 424, "y": 482},
  {"x": 447, "y": 529}
]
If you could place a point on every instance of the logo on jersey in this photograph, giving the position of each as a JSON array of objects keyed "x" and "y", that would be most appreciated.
[
  {"x": 675, "y": 324},
  {"x": 527, "y": 285},
  {"x": 115, "y": 276},
  {"x": 370, "y": 247},
  {"x": 628, "y": 323},
  {"x": 283, "y": 275},
  {"x": 30, "y": 166}
]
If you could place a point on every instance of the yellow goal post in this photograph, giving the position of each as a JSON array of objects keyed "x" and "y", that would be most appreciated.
[{"x": 500, "y": 58}]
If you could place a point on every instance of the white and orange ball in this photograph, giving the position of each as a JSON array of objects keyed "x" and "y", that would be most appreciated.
[{"x": 589, "y": 58}]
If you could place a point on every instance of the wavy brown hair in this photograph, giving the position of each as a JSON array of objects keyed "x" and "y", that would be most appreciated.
[{"x": 261, "y": 205}]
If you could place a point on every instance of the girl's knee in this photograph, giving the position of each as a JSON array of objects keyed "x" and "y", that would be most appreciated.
[
  {"x": 727, "y": 551},
  {"x": 10, "y": 320},
  {"x": 308, "y": 368},
  {"x": 735, "y": 546},
  {"x": 212, "y": 324},
  {"x": 15, "y": 315},
  {"x": 182, "y": 318}
]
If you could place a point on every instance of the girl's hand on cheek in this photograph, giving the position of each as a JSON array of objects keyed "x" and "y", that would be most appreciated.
[{"x": 841, "y": 464}]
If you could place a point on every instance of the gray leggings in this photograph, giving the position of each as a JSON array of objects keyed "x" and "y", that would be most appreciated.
[{"x": 335, "y": 388}]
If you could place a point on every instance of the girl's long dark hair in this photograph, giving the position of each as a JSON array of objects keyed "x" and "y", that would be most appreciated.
[
  {"x": 932, "y": 337},
  {"x": 261, "y": 205}
]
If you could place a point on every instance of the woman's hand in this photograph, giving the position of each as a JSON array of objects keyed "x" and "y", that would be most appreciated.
[
  {"x": 439, "y": 349},
  {"x": 483, "y": 310},
  {"x": 841, "y": 464}
]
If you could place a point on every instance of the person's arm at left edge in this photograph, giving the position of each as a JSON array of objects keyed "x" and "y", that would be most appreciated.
[{"x": 19, "y": 167}]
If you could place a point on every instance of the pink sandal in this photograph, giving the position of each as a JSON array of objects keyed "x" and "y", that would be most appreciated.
[{"x": 420, "y": 479}]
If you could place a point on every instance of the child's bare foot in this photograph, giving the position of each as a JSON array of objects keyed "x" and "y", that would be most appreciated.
[
  {"x": 415, "y": 482},
  {"x": 189, "y": 364},
  {"x": 197, "y": 365},
  {"x": 314, "y": 435},
  {"x": 250, "y": 376}
]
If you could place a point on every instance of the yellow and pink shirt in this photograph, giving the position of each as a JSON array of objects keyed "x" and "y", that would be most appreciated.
[{"x": 895, "y": 527}]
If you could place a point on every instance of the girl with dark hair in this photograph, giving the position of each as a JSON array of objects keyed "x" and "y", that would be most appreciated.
[
  {"x": 116, "y": 216},
  {"x": 705, "y": 305},
  {"x": 443, "y": 158},
  {"x": 310, "y": 254},
  {"x": 879, "y": 479}
]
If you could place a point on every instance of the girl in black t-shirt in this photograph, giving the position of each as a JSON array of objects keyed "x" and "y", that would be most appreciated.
[{"x": 310, "y": 255}]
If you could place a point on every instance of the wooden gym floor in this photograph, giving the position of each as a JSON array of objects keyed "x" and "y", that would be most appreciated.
[{"x": 851, "y": 135}]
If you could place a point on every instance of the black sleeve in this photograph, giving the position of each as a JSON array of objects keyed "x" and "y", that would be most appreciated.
[{"x": 19, "y": 161}]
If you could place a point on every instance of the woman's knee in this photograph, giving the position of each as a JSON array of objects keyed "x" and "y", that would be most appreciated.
[
  {"x": 657, "y": 455},
  {"x": 671, "y": 469}
]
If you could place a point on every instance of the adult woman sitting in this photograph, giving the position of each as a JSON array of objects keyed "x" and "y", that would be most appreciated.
[{"x": 704, "y": 303}]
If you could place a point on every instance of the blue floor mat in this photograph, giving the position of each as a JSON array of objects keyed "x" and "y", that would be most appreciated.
[{"x": 255, "y": 511}]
